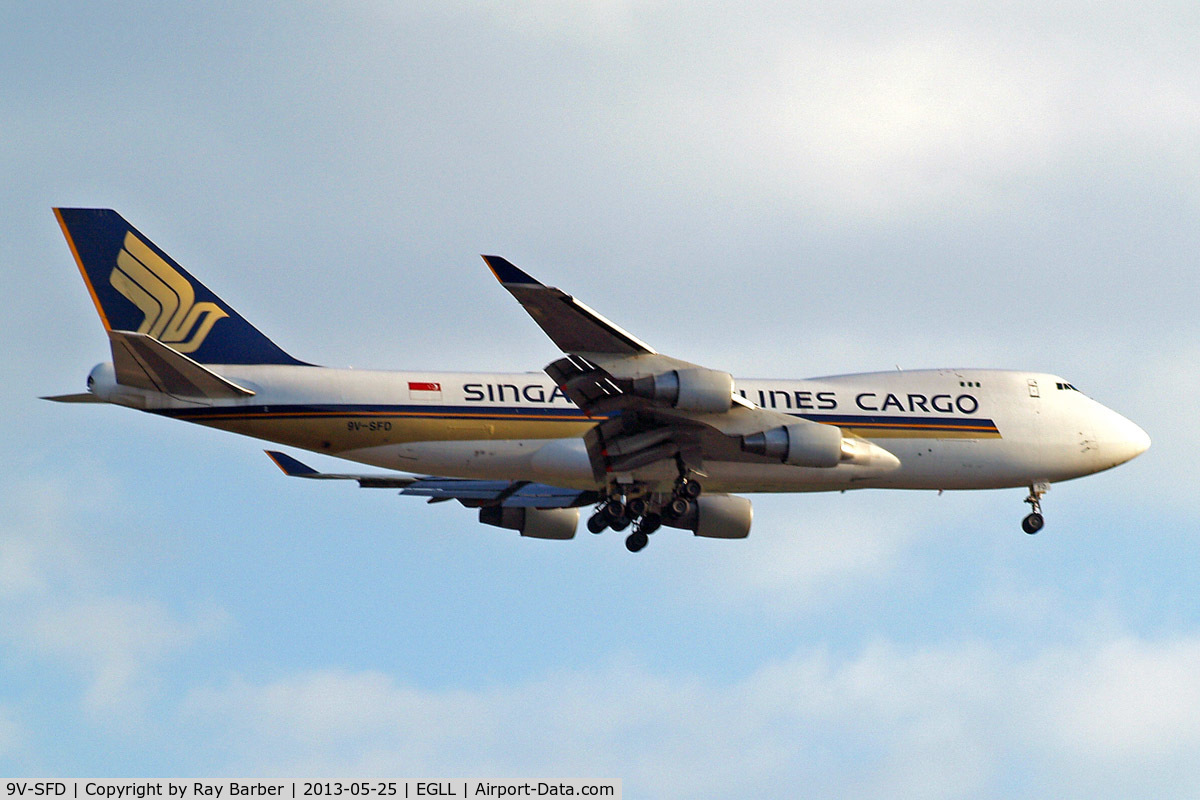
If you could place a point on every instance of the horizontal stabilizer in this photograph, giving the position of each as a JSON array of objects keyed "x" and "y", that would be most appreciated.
[
  {"x": 143, "y": 362},
  {"x": 85, "y": 397}
]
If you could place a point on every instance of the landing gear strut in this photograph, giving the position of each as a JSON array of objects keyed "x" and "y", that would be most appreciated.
[
  {"x": 625, "y": 504},
  {"x": 686, "y": 490},
  {"x": 644, "y": 512},
  {"x": 1035, "y": 521}
]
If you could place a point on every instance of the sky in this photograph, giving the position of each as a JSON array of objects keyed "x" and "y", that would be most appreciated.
[{"x": 773, "y": 189}]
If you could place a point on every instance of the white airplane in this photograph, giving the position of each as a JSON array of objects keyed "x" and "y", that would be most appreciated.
[{"x": 646, "y": 439}]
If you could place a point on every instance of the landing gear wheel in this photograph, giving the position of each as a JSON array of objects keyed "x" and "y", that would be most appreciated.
[
  {"x": 620, "y": 523},
  {"x": 597, "y": 522},
  {"x": 614, "y": 510},
  {"x": 677, "y": 507},
  {"x": 649, "y": 524},
  {"x": 635, "y": 541},
  {"x": 637, "y": 506},
  {"x": 1035, "y": 521},
  {"x": 690, "y": 490}
]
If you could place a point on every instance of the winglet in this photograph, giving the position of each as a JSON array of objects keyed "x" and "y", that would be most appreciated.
[
  {"x": 290, "y": 466},
  {"x": 506, "y": 272}
]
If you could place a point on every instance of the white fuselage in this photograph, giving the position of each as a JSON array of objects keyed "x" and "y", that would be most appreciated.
[{"x": 949, "y": 429}]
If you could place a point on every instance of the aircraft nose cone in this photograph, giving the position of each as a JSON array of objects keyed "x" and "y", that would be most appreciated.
[
  {"x": 1139, "y": 440},
  {"x": 1125, "y": 440}
]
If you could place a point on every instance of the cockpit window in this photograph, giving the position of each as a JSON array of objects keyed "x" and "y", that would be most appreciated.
[{"x": 1066, "y": 387}]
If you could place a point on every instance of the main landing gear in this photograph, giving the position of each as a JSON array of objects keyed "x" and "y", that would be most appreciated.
[
  {"x": 646, "y": 513},
  {"x": 1034, "y": 522}
]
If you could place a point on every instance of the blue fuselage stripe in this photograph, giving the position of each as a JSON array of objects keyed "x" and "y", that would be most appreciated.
[
  {"x": 431, "y": 412},
  {"x": 515, "y": 413}
]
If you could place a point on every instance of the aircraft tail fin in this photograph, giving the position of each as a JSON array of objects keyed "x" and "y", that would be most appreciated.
[{"x": 138, "y": 288}]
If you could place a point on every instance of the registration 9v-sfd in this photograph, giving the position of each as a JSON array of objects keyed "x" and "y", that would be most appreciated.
[{"x": 39, "y": 789}]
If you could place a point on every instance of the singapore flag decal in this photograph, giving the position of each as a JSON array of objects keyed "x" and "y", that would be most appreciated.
[{"x": 423, "y": 390}]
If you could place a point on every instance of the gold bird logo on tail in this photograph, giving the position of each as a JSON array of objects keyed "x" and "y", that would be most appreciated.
[{"x": 164, "y": 296}]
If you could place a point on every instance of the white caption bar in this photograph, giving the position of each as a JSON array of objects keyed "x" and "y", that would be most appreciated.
[{"x": 306, "y": 790}]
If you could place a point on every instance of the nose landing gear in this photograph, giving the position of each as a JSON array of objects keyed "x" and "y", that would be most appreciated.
[{"x": 1034, "y": 522}]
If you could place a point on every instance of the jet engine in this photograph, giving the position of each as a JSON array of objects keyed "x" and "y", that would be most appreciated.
[
  {"x": 537, "y": 523},
  {"x": 700, "y": 390},
  {"x": 717, "y": 516},
  {"x": 801, "y": 445}
]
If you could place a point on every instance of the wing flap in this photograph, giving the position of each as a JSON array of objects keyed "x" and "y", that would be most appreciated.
[
  {"x": 507, "y": 494},
  {"x": 586, "y": 385}
]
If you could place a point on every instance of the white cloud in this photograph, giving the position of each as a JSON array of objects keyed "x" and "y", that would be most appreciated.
[
  {"x": 17, "y": 571},
  {"x": 54, "y": 604},
  {"x": 33, "y": 542},
  {"x": 806, "y": 550},
  {"x": 117, "y": 643},
  {"x": 893, "y": 721},
  {"x": 879, "y": 115},
  {"x": 10, "y": 733},
  {"x": 1161, "y": 385},
  {"x": 1128, "y": 702},
  {"x": 878, "y": 126}
]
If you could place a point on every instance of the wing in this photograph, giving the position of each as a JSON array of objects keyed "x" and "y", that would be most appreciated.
[
  {"x": 572, "y": 326},
  {"x": 652, "y": 408},
  {"x": 534, "y": 510},
  {"x": 471, "y": 493}
]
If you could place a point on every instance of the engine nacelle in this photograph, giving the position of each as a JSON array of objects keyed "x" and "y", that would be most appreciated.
[
  {"x": 717, "y": 516},
  {"x": 537, "y": 523},
  {"x": 801, "y": 445},
  {"x": 701, "y": 390}
]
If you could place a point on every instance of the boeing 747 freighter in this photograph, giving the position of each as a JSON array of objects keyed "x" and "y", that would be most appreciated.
[{"x": 643, "y": 439}]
